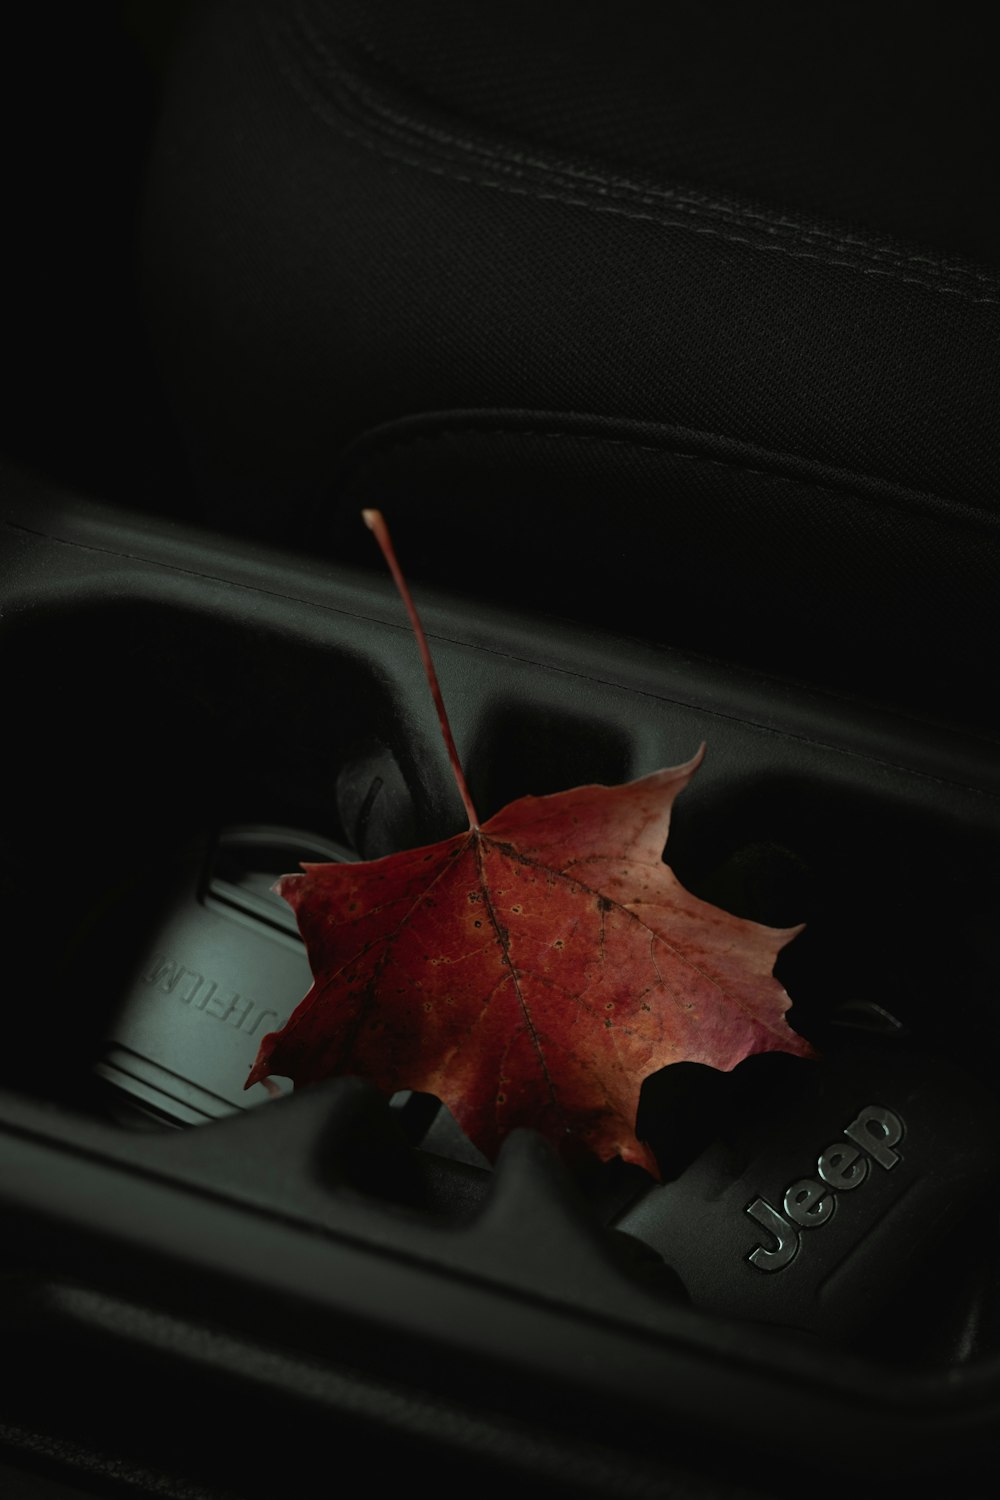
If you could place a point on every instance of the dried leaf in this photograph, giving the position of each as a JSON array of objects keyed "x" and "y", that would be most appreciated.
[{"x": 530, "y": 971}]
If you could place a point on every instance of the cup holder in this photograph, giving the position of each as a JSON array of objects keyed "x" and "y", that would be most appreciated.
[{"x": 184, "y": 734}]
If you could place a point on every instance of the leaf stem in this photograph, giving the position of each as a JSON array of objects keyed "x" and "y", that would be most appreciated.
[{"x": 375, "y": 521}]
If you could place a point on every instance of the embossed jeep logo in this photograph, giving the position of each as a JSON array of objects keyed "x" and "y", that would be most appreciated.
[{"x": 812, "y": 1201}]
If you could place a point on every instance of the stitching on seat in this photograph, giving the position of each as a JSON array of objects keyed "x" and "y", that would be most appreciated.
[
  {"x": 771, "y": 223},
  {"x": 394, "y": 124}
]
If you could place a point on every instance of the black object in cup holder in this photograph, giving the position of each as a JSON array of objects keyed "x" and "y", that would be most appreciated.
[{"x": 842, "y": 1180}]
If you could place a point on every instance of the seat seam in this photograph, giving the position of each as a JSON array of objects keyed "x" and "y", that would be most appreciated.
[
  {"x": 368, "y": 97},
  {"x": 362, "y": 133},
  {"x": 380, "y": 448}
]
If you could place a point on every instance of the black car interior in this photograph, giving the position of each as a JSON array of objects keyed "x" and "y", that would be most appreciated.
[{"x": 665, "y": 336}]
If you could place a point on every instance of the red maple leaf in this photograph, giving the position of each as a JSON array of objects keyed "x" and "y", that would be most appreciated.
[{"x": 532, "y": 970}]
